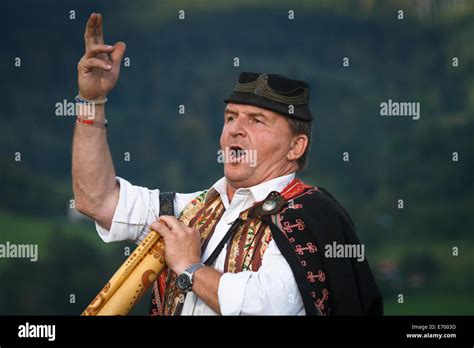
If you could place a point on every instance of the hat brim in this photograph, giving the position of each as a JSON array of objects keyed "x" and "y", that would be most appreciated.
[{"x": 301, "y": 112}]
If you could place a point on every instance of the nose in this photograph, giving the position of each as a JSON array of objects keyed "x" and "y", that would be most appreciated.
[{"x": 236, "y": 127}]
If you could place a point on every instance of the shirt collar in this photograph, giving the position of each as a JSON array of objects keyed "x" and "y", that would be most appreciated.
[{"x": 259, "y": 191}]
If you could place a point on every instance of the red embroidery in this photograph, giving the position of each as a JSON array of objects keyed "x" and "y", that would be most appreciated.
[
  {"x": 312, "y": 277},
  {"x": 320, "y": 301},
  {"x": 309, "y": 246},
  {"x": 289, "y": 228},
  {"x": 293, "y": 189}
]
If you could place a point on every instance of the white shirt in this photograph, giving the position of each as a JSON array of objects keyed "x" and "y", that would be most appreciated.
[{"x": 270, "y": 290}]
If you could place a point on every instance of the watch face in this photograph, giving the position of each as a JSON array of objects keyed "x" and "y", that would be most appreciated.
[{"x": 183, "y": 282}]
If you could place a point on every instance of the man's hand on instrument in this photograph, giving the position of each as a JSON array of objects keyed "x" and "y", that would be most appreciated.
[
  {"x": 182, "y": 243},
  {"x": 99, "y": 68}
]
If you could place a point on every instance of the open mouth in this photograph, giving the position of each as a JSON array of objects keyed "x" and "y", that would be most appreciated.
[{"x": 236, "y": 152}]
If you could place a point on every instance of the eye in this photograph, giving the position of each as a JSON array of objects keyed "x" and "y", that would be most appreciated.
[{"x": 229, "y": 118}]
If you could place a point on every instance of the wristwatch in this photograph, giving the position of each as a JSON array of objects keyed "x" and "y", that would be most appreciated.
[{"x": 184, "y": 282}]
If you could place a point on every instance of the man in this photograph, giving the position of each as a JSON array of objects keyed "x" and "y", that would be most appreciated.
[{"x": 252, "y": 243}]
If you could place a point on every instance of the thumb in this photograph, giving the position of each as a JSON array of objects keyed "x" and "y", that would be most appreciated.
[{"x": 118, "y": 53}]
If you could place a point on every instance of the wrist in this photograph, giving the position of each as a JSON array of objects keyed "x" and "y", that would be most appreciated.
[
  {"x": 198, "y": 271},
  {"x": 100, "y": 99},
  {"x": 92, "y": 109},
  {"x": 185, "y": 280},
  {"x": 184, "y": 266}
]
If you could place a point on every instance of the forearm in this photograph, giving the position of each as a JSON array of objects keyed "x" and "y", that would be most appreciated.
[
  {"x": 206, "y": 286},
  {"x": 95, "y": 189}
]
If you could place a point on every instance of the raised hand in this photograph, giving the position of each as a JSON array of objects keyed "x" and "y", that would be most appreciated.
[{"x": 99, "y": 67}]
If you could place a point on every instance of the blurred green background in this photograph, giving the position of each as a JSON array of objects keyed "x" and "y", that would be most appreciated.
[{"x": 191, "y": 62}]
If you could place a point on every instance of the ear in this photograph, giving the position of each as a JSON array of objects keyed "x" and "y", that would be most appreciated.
[{"x": 298, "y": 145}]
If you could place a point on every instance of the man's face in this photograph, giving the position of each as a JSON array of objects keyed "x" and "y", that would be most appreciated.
[{"x": 265, "y": 138}]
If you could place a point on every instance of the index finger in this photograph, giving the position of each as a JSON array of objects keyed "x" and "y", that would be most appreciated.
[
  {"x": 161, "y": 228},
  {"x": 89, "y": 35},
  {"x": 172, "y": 222},
  {"x": 99, "y": 35}
]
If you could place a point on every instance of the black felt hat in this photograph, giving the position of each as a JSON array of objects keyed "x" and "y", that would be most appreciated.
[{"x": 273, "y": 92}]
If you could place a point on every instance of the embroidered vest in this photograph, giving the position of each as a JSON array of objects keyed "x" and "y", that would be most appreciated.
[{"x": 244, "y": 252}]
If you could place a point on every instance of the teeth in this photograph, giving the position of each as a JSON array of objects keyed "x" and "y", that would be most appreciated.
[
  {"x": 236, "y": 152},
  {"x": 239, "y": 152}
]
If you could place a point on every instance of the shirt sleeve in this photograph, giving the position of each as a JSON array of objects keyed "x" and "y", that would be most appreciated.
[
  {"x": 270, "y": 290},
  {"x": 138, "y": 207}
]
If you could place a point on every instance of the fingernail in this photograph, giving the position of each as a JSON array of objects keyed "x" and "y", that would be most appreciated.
[
  {"x": 109, "y": 46},
  {"x": 109, "y": 67}
]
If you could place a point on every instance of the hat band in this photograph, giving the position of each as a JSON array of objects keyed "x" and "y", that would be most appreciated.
[{"x": 261, "y": 87}]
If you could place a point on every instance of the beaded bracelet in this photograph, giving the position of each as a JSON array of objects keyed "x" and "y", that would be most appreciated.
[{"x": 82, "y": 100}]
